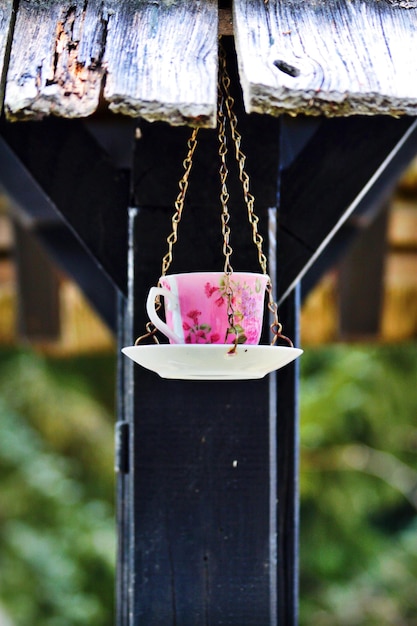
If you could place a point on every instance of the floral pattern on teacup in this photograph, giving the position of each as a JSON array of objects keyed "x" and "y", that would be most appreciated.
[
  {"x": 244, "y": 303},
  {"x": 195, "y": 332}
]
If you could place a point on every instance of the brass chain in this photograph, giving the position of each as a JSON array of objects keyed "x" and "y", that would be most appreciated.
[
  {"x": 241, "y": 159},
  {"x": 179, "y": 203},
  {"x": 224, "y": 194},
  {"x": 151, "y": 331},
  {"x": 224, "y": 82},
  {"x": 225, "y": 101},
  {"x": 173, "y": 237},
  {"x": 225, "y": 217}
]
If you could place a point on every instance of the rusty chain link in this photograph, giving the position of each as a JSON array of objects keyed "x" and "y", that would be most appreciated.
[
  {"x": 179, "y": 203},
  {"x": 173, "y": 237},
  {"x": 225, "y": 217},
  {"x": 224, "y": 86},
  {"x": 241, "y": 159}
]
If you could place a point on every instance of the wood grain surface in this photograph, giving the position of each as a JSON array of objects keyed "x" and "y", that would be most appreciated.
[
  {"x": 154, "y": 59},
  {"x": 335, "y": 58},
  {"x": 161, "y": 60},
  {"x": 55, "y": 65},
  {"x": 157, "y": 59}
]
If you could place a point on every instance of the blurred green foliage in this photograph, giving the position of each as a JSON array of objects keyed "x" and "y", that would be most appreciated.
[
  {"x": 358, "y": 564},
  {"x": 359, "y": 486},
  {"x": 57, "y": 530}
]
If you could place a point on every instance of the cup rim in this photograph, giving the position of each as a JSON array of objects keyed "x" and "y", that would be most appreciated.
[{"x": 215, "y": 273}]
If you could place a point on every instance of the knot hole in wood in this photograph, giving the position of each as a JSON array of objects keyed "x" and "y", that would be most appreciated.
[{"x": 287, "y": 68}]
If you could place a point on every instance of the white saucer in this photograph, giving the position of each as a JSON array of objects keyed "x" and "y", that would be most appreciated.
[{"x": 212, "y": 361}]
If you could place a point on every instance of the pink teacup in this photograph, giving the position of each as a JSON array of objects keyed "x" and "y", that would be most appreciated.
[{"x": 196, "y": 307}]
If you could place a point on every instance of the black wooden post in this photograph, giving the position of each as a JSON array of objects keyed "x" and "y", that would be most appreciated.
[
  {"x": 287, "y": 438},
  {"x": 207, "y": 506},
  {"x": 212, "y": 500},
  {"x": 123, "y": 501}
]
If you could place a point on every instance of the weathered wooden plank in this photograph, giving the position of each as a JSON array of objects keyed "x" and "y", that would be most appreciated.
[
  {"x": 161, "y": 60},
  {"x": 335, "y": 58},
  {"x": 6, "y": 15},
  {"x": 56, "y": 58}
]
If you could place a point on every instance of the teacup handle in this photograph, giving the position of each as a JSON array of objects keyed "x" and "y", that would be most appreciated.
[{"x": 154, "y": 317}]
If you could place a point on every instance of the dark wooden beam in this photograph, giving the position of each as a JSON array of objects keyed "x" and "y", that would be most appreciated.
[
  {"x": 124, "y": 481},
  {"x": 361, "y": 281},
  {"x": 33, "y": 211},
  {"x": 206, "y": 537},
  {"x": 30, "y": 205},
  {"x": 77, "y": 176},
  {"x": 344, "y": 166},
  {"x": 70, "y": 255}
]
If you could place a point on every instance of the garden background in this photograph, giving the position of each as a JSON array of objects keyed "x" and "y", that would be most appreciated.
[{"x": 358, "y": 563}]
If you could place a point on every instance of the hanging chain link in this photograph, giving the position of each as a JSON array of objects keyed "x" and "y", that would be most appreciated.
[
  {"x": 224, "y": 194},
  {"x": 241, "y": 159},
  {"x": 225, "y": 217},
  {"x": 151, "y": 331},
  {"x": 225, "y": 110},
  {"x": 179, "y": 203},
  {"x": 173, "y": 237},
  {"x": 224, "y": 82}
]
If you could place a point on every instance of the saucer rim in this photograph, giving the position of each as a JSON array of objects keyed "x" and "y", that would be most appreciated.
[{"x": 186, "y": 366}]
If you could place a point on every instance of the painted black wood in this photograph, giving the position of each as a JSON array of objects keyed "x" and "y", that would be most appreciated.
[
  {"x": 361, "y": 281},
  {"x": 122, "y": 441},
  {"x": 29, "y": 204},
  {"x": 287, "y": 438},
  {"x": 200, "y": 472},
  {"x": 327, "y": 166},
  {"x": 80, "y": 181},
  {"x": 84, "y": 241},
  {"x": 331, "y": 167},
  {"x": 201, "y": 541}
]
